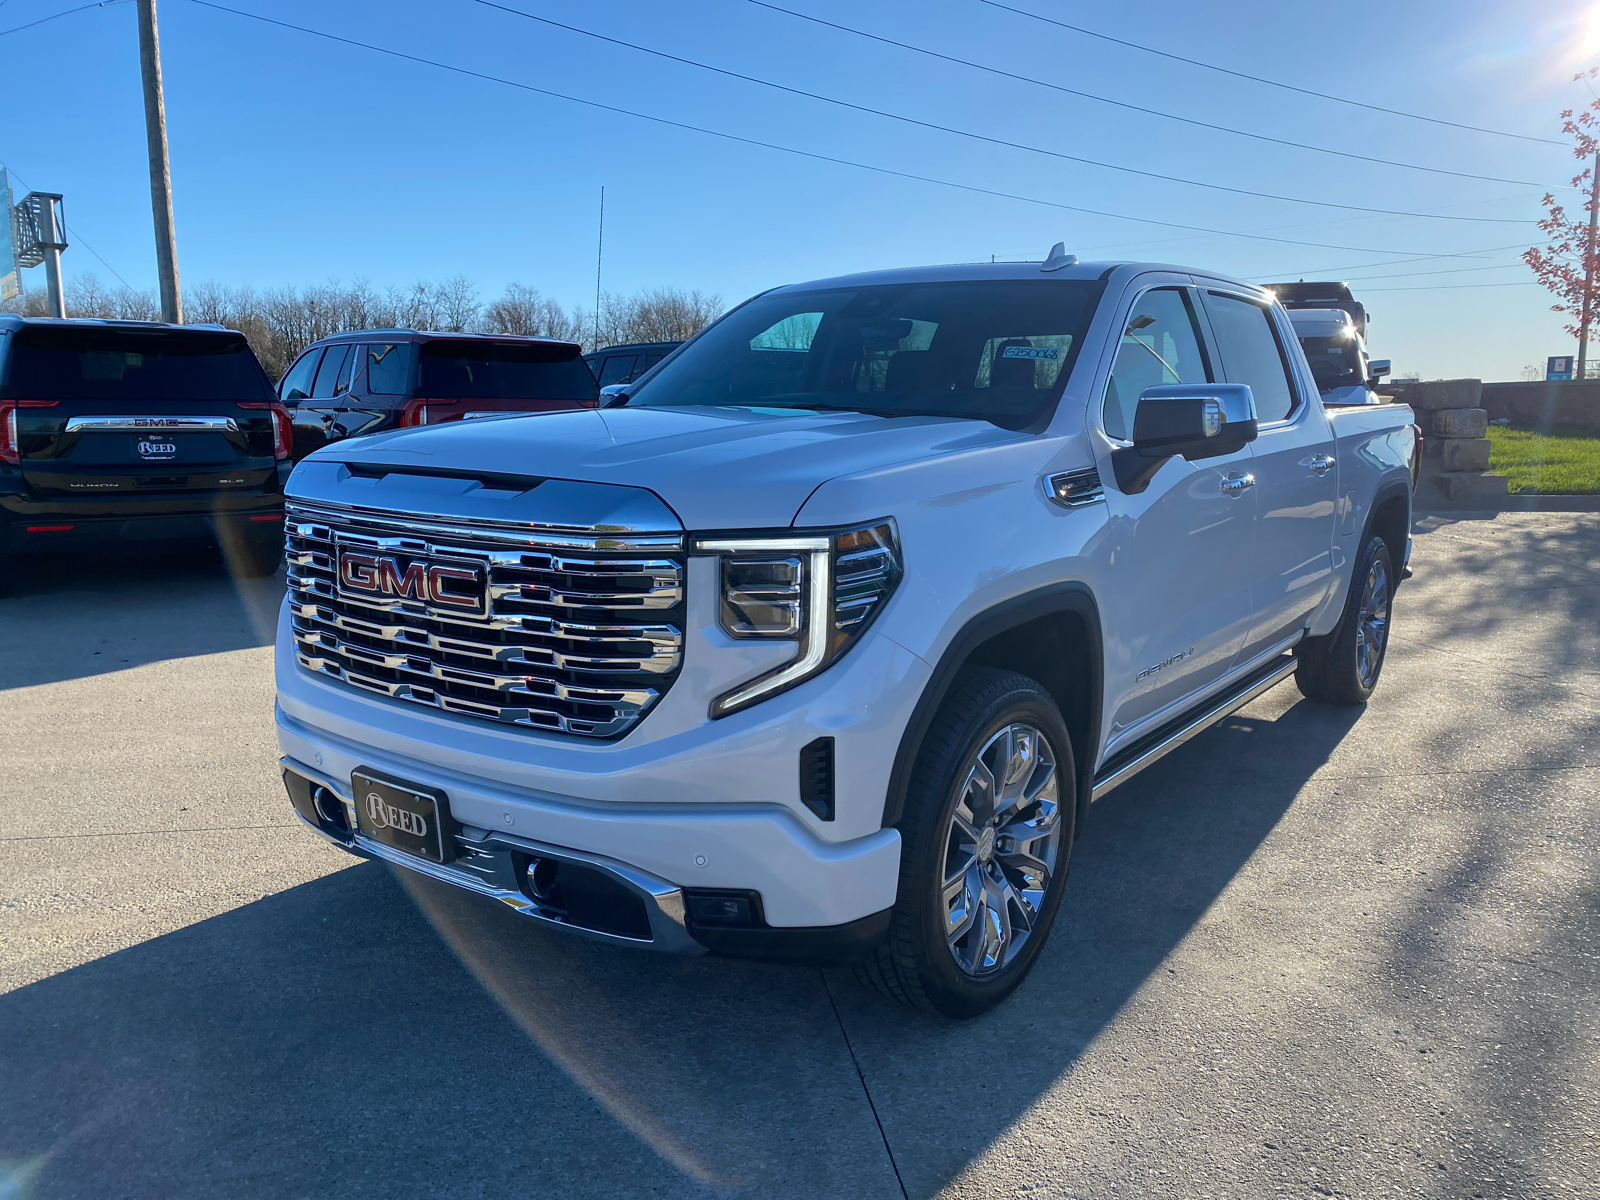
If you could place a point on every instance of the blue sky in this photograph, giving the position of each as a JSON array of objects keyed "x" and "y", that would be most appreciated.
[{"x": 298, "y": 159}]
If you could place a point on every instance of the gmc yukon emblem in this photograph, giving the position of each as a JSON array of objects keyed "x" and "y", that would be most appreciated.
[{"x": 448, "y": 587}]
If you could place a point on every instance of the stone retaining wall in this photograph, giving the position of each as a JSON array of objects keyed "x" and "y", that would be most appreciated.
[{"x": 1541, "y": 405}]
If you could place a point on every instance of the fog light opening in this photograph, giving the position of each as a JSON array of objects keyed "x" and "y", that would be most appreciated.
[
  {"x": 544, "y": 881},
  {"x": 330, "y": 808}
]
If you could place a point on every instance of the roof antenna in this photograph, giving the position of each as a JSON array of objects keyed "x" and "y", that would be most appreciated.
[{"x": 1059, "y": 258}]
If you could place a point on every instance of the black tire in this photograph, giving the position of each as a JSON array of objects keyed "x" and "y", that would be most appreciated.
[
  {"x": 1343, "y": 667},
  {"x": 918, "y": 963}
]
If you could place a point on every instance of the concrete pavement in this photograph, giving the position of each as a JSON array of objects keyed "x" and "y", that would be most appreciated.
[{"x": 1315, "y": 952}]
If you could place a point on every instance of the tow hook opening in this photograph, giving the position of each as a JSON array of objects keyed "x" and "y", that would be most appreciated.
[{"x": 585, "y": 897}]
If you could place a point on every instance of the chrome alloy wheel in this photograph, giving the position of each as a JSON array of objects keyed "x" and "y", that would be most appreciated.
[
  {"x": 1372, "y": 624},
  {"x": 1001, "y": 849}
]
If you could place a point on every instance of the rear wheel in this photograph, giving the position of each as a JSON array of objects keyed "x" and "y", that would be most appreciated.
[
  {"x": 1343, "y": 667},
  {"x": 987, "y": 834}
]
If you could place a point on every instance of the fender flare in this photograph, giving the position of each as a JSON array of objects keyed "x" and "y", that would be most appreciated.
[
  {"x": 1068, "y": 597},
  {"x": 1386, "y": 491}
]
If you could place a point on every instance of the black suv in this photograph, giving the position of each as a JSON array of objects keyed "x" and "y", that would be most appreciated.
[
  {"x": 372, "y": 380},
  {"x": 1321, "y": 295},
  {"x": 130, "y": 430},
  {"x": 624, "y": 364}
]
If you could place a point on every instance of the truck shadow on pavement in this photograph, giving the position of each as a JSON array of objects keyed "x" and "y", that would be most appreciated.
[
  {"x": 340, "y": 1039},
  {"x": 80, "y": 615}
]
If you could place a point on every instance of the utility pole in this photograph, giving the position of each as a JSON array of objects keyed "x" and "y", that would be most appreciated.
[
  {"x": 155, "y": 123},
  {"x": 1588, "y": 274},
  {"x": 600, "y": 258}
]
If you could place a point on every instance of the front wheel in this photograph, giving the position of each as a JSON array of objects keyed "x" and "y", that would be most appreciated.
[
  {"x": 1343, "y": 666},
  {"x": 986, "y": 834}
]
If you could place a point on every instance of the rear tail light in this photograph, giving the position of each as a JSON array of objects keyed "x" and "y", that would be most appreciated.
[
  {"x": 282, "y": 428},
  {"x": 1416, "y": 459},
  {"x": 10, "y": 444},
  {"x": 425, "y": 412}
]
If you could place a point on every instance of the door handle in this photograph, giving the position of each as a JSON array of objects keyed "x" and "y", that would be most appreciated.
[
  {"x": 1322, "y": 464},
  {"x": 1237, "y": 485}
]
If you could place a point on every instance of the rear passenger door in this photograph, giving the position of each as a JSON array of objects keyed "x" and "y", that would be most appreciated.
[
  {"x": 1292, "y": 460},
  {"x": 380, "y": 380}
]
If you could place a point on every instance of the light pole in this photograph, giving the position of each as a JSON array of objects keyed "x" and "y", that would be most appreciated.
[{"x": 155, "y": 123}]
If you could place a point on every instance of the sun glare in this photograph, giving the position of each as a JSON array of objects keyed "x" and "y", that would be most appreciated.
[{"x": 1591, "y": 34}]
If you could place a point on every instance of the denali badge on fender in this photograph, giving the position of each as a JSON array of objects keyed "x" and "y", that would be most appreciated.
[{"x": 446, "y": 587}]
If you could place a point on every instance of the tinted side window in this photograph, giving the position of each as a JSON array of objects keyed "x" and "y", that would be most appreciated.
[
  {"x": 297, "y": 379},
  {"x": 616, "y": 369},
  {"x": 1248, "y": 346},
  {"x": 388, "y": 368},
  {"x": 1160, "y": 345},
  {"x": 335, "y": 366}
]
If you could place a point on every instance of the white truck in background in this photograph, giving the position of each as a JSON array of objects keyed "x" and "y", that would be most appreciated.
[{"x": 1337, "y": 355}]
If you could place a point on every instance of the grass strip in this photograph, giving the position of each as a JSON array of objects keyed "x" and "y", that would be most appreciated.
[{"x": 1563, "y": 462}]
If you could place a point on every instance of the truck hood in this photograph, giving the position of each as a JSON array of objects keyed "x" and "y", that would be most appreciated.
[{"x": 717, "y": 468}]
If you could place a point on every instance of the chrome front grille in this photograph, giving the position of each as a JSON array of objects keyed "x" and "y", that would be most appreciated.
[{"x": 582, "y": 631}]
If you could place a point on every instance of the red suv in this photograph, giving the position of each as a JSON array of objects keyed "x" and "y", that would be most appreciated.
[{"x": 373, "y": 380}]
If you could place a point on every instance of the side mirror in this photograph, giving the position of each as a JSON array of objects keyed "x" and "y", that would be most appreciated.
[
  {"x": 1377, "y": 368},
  {"x": 1188, "y": 420},
  {"x": 613, "y": 394}
]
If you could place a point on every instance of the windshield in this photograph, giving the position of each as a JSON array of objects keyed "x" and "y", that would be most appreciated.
[
  {"x": 504, "y": 371},
  {"x": 1335, "y": 361},
  {"x": 91, "y": 362},
  {"x": 999, "y": 351}
]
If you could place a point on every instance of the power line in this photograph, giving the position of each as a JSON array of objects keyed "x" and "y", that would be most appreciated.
[
  {"x": 1447, "y": 287},
  {"x": 1056, "y": 87},
  {"x": 1289, "y": 87},
  {"x": 808, "y": 154},
  {"x": 993, "y": 141},
  {"x": 59, "y": 15},
  {"x": 1326, "y": 272},
  {"x": 1506, "y": 266}
]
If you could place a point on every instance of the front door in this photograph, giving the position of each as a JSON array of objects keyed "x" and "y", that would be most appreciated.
[
  {"x": 1292, "y": 460},
  {"x": 1178, "y": 552}
]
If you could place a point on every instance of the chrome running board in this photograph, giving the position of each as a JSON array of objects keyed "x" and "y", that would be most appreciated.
[{"x": 1130, "y": 762}]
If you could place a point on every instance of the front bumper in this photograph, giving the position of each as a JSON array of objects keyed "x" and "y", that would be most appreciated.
[{"x": 498, "y": 864}]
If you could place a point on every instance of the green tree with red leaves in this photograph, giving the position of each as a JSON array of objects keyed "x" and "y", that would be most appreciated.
[{"x": 1568, "y": 265}]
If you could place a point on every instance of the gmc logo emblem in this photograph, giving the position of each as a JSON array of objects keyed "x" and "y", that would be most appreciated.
[{"x": 455, "y": 587}]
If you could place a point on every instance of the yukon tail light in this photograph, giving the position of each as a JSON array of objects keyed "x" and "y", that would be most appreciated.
[
  {"x": 10, "y": 442},
  {"x": 422, "y": 411},
  {"x": 282, "y": 428}
]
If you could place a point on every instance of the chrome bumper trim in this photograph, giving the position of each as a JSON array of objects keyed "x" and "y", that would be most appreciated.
[{"x": 663, "y": 901}]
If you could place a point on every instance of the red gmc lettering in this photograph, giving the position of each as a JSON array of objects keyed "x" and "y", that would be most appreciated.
[
  {"x": 437, "y": 575},
  {"x": 359, "y": 571},
  {"x": 413, "y": 583}
]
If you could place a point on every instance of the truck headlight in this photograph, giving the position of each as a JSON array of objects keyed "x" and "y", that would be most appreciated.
[{"x": 818, "y": 589}]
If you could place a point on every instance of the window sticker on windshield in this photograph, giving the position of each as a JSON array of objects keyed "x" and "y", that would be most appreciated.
[{"x": 1049, "y": 353}]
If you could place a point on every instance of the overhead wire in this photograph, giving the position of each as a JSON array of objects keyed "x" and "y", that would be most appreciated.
[
  {"x": 991, "y": 140},
  {"x": 1289, "y": 87},
  {"x": 1446, "y": 287},
  {"x": 64, "y": 13},
  {"x": 71, "y": 230},
  {"x": 1139, "y": 108},
  {"x": 792, "y": 150}
]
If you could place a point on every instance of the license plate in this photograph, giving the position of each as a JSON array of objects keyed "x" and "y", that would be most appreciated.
[
  {"x": 156, "y": 448},
  {"x": 404, "y": 817}
]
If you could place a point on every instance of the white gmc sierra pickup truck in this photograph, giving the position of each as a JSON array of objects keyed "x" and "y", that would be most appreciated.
[{"x": 817, "y": 641}]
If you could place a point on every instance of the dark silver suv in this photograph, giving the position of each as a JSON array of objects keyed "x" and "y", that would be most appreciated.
[{"x": 373, "y": 380}]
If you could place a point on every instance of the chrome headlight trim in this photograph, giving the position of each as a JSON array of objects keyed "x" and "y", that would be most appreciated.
[{"x": 820, "y": 640}]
